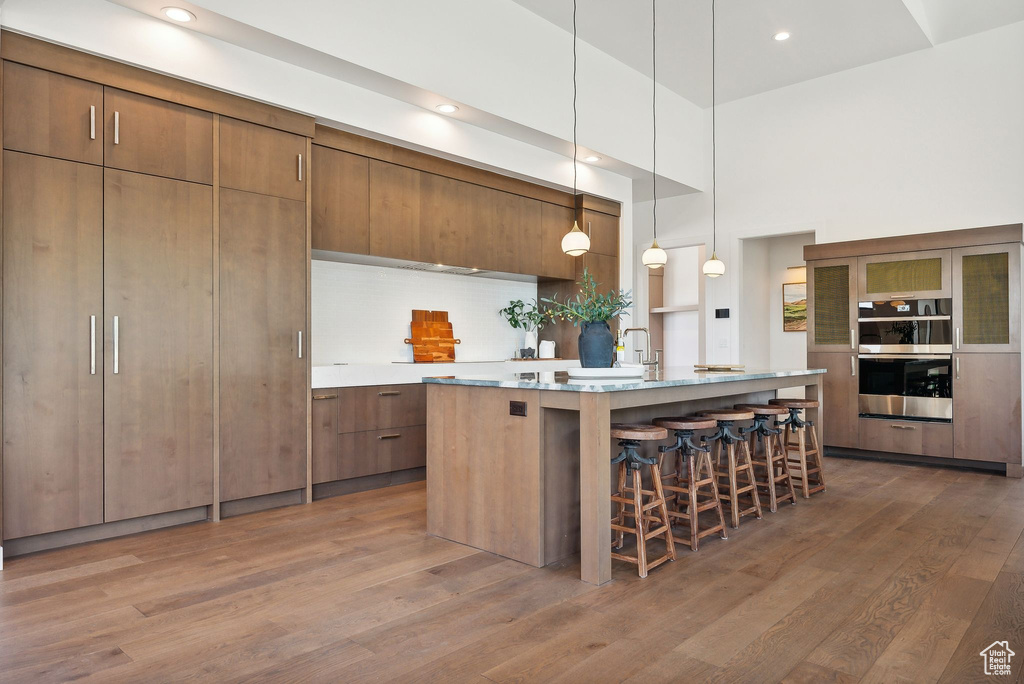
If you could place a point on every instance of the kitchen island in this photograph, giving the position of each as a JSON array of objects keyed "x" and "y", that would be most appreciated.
[{"x": 519, "y": 464}]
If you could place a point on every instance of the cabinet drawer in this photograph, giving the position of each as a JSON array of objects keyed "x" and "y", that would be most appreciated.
[
  {"x": 378, "y": 451},
  {"x": 324, "y": 438},
  {"x": 907, "y": 437},
  {"x": 381, "y": 406}
]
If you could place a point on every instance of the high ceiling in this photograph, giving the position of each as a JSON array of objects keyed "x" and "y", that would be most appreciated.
[{"x": 827, "y": 36}]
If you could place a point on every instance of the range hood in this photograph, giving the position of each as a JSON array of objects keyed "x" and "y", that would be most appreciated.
[{"x": 423, "y": 267}]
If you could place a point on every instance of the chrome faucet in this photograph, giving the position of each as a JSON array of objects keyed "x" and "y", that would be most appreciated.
[{"x": 656, "y": 363}]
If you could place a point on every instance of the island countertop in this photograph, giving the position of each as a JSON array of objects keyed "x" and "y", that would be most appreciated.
[{"x": 667, "y": 377}]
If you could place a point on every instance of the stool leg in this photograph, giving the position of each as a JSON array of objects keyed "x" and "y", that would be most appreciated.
[
  {"x": 706, "y": 459},
  {"x": 783, "y": 461},
  {"x": 638, "y": 509},
  {"x": 755, "y": 497},
  {"x": 659, "y": 492},
  {"x": 620, "y": 518},
  {"x": 802, "y": 446},
  {"x": 694, "y": 475},
  {"x": 734, "y": 508},
  {"x": 769, "y": 468},
  {"x": 818, "y": 458}
]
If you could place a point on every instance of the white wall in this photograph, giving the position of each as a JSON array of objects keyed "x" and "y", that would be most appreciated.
[
  {"x": 361, "y": 314},
  {"x": 928, "y": 141}
]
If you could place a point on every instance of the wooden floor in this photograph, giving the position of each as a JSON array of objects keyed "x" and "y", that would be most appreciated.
[{"x": 897, "y": 573}]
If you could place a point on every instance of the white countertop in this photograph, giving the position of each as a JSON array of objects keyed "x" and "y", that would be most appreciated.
[{"x": 356, "y": 375}]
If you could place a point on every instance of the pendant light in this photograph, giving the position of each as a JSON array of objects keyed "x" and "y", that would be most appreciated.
[
  {"x": 654, "y": 256},
  {"x": 574, "y": 243},
  {"x": 714, "y": 266}
]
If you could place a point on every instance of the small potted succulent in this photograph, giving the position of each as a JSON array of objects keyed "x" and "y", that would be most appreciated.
[
  {"x": 591, "y": 311},
  {"x": 527, "y": 317}
]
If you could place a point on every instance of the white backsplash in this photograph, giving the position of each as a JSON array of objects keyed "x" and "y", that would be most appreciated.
[{"x": 361, "y": 314}]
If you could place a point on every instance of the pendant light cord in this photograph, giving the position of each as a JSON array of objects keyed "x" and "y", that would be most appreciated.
[
  {"x": 574, "y": 98},
  {"x": 714, "y": 141},
  {"x": 654, "y": 109}
]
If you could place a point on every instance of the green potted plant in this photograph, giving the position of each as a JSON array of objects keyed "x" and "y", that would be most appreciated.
[
  {"x": 527, "y": 317},
  {"x": 591, "y": 311}
]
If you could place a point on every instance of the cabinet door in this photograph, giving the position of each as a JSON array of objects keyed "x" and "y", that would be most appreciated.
[
  {"x": 262, "y": 367},
  {"x": 556, "y": 222},
  {"x": 53, "y": 397},
  {"x": 262, "y": 160},
  {"x": 158, "y": 388},
  {"x": 832, "y": 305},
  {"x": 159, "y": 138},
  {"x": 325, "y": 436},
  {"x": 603, "y": 230},
  {"x": 986, "y": 298},
  {"x": 52, "y": 115},
  {"x": 839, "y": 401},
  {"x": 913, "y": 275},
  {"x": 341, "y": 201},
  {"x": 395, "y": 228},
  {"x": 986, "y": 407}
]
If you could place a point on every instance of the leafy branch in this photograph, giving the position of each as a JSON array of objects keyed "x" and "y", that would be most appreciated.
[
  {"x": 588, "y": 305},
  {"x": 528, "y": 317}
]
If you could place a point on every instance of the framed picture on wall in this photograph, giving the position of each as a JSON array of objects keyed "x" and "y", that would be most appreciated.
[{"x": 794, "y": 307}]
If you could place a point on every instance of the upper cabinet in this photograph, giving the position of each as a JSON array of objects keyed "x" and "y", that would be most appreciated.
[
  {"x": 155, "y": 137},
  {"x": 262, "y": 160},
  {"x": 52, "y": 115},
  {"x": 341, "y": 201},
  {"x": 986, "y": 298},
  {"x": 603, "y": 230},
  {"x": 832, "y": 305},
  {"x": 912, "y": 275}
]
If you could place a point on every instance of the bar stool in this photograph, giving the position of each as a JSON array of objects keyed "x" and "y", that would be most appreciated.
[
  {"x": 766, "y": 452},
  {"x": 738, "y": 463},
  {"x": 631, "y": 462},
  {"x": 811, "y": 473},
  {"x": 693, "y": 473}
]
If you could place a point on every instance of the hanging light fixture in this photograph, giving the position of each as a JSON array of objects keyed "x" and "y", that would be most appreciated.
[
  {"x": 575, "y": 242},
  {"x": 714, "y": 266},
  {"x": 654, "y": 256}
]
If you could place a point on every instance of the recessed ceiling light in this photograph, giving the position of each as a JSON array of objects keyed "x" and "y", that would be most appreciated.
[
  {"x": 179, "y": 14},
  {"x": 781, "y": 35},
  {"x": 447, "y": 108},
  {"x": 592, "y": 158}
]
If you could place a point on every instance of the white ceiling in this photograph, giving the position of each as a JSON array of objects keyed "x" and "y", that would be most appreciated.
[{"x": 827, "y": 36}]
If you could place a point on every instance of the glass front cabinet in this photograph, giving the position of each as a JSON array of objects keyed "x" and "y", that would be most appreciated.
[
  {"x": 912, "y": 275},
  {"x": 832, "y": 305},
  {"x": 986, "y": 299}
]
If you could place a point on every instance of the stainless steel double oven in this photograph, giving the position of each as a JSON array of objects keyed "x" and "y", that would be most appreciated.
[{"x": 906, "y": 359}]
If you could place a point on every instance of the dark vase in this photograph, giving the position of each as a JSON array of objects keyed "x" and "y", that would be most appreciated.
[{"x": 597, "y": 346}]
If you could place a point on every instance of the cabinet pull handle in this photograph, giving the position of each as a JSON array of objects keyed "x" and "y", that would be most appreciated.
[
  {"x": 92, "y": 345},
  {"x": 853, "y": 338},
  {"x": 903, "y": 427},
  {"x": 958, "y": 338},
  {"x": 300, "y": 344},
  {"x": 394, "y": 436},
  {"x": 958, "y": 368},
  {"x": 117, "y": 128},
  {"x": 117, "y": 346},
  {"x": 590, "y": 230},
  {"x": 853, "y": 366},
  {"x": 300, "y": 167},
  {"x": 317, "y": 397},
  {"x": 900, "y": 296},
  {"x": 388, "y": 393},
  {"x": 92, "y": 122}
]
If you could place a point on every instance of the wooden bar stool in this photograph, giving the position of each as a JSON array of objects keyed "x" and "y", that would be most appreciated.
[
  {"x": 737, "y": 463},
  {"x": 766, "y": 453},
  {"x": 692, "y": 474},
  {"x": 631, "y": 463},
  {"x": 811, "y": 470}
]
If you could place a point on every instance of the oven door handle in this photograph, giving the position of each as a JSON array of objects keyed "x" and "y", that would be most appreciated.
[
  {"x": 890, "y": 319},
  {"x": 905, "y": 357}
]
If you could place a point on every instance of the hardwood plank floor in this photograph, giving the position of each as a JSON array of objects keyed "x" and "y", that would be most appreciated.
[{"x": 897, "y": 574}]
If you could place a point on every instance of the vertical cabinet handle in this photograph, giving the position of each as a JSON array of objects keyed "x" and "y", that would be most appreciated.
[
  {"x": 853, "y": 366},
  {"x": 853, "y": 339},
  {"x": 92, "y": 122},
  {"x": 300, "y": 344},
  {"x": 590, "y": 229},
  {"x": 300, "y": 167},
  {"x": 117, "y": 345},
  {"x": 958, "y": 368},
  {"x": 958, "y": 338},
  {"x": 92, "y": 345},
  {"x": 117, "y": 128}
]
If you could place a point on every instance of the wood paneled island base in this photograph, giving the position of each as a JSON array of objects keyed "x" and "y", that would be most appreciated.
[{"x": 519, "y": 465}]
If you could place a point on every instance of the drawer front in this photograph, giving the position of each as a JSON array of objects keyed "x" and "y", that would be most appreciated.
[
  {"x": 381, "y": 406},
  {"x": 325, "y": 435},
  {"x": 907, "y": 437},
  {"x": 381, "y": 451}
]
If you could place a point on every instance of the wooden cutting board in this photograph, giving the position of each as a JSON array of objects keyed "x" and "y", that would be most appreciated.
[{"x": 433, "y": 340}]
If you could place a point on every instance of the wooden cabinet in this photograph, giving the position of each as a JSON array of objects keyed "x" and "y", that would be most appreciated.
[
  {"x": 832, "y": 305},
  {"x": 911, "y": 275},
  {"x": 395, "y": 229},
  {"x": 603, "y": 230},
  {"x": 839, "y": 400},
  {"x": 160, "y": 138},
  {"x": 986, "y": 298},
  {"x": 262, "y": 367},
  {"x": 381, "y": 451},
  {"x": 52, "y": 115},
  {"x": 382, "y": 406},
  {"x": 325, "y": 435},
  {"x": 262, "y": 160},
  {"x": 556, "y": 222},
  {"x": 52, "y": 305},
  {"x": 158, "y": 322},
  {"x": 340, "y": 201},
  {"x": 987, "y": 407},
  {"x": 911, "y": 437}
]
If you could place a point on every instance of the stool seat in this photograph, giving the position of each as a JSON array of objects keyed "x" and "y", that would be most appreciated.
[
  {"x": 794, "y": 403},
  {"x": 686, "y": 423},
  {"x": 763, "y": 409},
  {"x": 638, "y": 432},
  {"x": 727, "y": 414}
]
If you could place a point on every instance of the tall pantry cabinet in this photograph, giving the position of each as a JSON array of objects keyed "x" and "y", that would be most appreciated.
[{"x": 154, "y": 296}]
